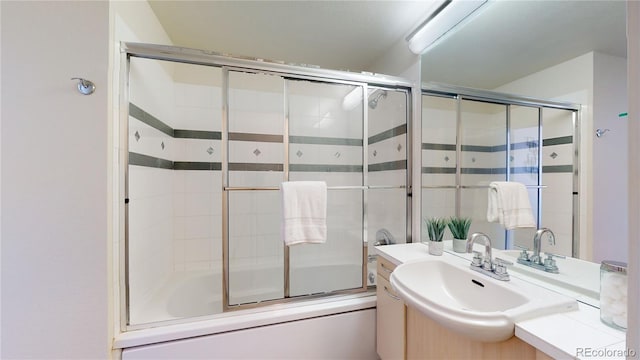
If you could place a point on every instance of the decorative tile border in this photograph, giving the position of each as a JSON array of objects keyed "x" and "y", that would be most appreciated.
[
  {"x": 499, "y": 171},
  {"x": 149, "y": 119},
  {"x": 388, "y": 166},
  {"x": 197, "y": 134},
  {"x": 150, "y": 161},
  {"x": 438, "y": 170},
  {"x": 255, "y": 137},
  {"x": 557, "y": 169},
  {"x": 324, "y": 141},
  {"x": 388, "y": 134},
  {"x": 324, "y": 168},
  {"x": 562, "y": 140},
  {"x": 442, "y": 147},
  {"x": 255, "y": 167},
  {"x": 154, "y": 162}
]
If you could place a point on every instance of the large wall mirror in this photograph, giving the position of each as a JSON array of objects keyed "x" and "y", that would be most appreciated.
[{"x": 558, "y": 51}]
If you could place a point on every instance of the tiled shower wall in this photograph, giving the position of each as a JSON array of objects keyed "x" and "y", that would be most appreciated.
[
  {"x": 176, "y": 187},
  {"x": 151, "y": 200},
  {"x": 483, "y": 159},
  {"x": 174, "y": 132},
  {"x": 387, "y": 164}
]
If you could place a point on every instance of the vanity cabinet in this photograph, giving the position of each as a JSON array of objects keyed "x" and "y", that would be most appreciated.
[
  {"x": 427, "y": 339},
  {"x": 390, "y": 315}
]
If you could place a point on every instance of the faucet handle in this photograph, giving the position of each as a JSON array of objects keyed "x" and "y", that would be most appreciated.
[
  {"x": 552, "y": 255},
  {"x": 477, "y": 258},
  {"x": 501, "y": 267},
  {"x": 502, "y": 262},
  {"x": 550, "y": 263},
  {"x": 524, "y": 255}
]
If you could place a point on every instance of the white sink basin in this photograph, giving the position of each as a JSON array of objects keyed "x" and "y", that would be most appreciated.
[{"x": 468, "y": 302}]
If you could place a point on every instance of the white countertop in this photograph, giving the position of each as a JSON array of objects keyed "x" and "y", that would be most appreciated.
[{"x": 578, "y": 334}]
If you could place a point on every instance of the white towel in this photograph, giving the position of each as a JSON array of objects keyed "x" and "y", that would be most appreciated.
[
  {"x": 304, "y": 205},
  {"x": 509, "y": 205}
]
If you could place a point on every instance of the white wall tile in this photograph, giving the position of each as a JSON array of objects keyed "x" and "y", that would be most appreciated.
[
  {"x": 390, "y": 112},
  {"x": 325, "y": 154},
  {"x": 198, "y": 227},
  {"x": 391, "y": 149},
  {"x": 564, "y": 155},
  {"x": 256, "y": 152}
]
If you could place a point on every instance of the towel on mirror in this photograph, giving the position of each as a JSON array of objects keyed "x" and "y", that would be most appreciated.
[
  {"x": 304, "y": 205},
  {"x": 509, "y": 205}
]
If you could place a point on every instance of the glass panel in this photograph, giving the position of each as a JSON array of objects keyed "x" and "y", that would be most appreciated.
[
  {"x": 483, "y": 159},
  {"x": 473, "y": 204},
  {"x": 336, "y": 264},
  {"x": 387, "y": 164},
  {"x": 174, "y": 238},
  {"x": 256, "y": 255},
  {"x": 387, "y": 167},
  {"x": 256, "y": 127},
  {"x": 524, "y": 163},
  {"x": 557, "y": 175},
  {"x": 438, "y": 140},
  {"x": 326, "y": 143}
]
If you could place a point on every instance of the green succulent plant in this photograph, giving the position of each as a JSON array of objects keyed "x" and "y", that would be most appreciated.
[
  {"x": 459, "y": 227},
  {"x": 435, "y": 228}
]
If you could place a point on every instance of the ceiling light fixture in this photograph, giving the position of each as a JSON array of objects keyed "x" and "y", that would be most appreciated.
[{"x": 449, "y": 15}]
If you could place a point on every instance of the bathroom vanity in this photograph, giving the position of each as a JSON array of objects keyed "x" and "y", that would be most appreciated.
[
  {"x": 390, "y": 315},
  {"x": 410, "y": 326}
]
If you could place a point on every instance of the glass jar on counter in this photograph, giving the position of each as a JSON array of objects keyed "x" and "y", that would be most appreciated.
[{"x": 613, "y": 294}]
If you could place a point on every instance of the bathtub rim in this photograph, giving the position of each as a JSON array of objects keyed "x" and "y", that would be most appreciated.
[{"x": 246, "y": 319}]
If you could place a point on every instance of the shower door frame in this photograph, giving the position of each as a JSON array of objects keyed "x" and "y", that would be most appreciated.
[
  {"x": 251, "y": 65},
  {"x": 462, "y": 93}
]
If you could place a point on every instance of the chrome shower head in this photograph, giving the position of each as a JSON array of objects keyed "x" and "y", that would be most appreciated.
[{"x": 374, "y": 102}]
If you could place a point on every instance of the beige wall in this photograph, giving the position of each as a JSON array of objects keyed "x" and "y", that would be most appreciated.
[
  {"x": 633, "y": 87},
  {"x": 597, "y": 82},
  {"x": 55, "y": 270}
]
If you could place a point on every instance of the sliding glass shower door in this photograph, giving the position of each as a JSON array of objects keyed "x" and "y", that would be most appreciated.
[
  {"x": 254, "y": 259},
  {"x": 206, "y": 147},
  {"x": 326, "y": 144}
]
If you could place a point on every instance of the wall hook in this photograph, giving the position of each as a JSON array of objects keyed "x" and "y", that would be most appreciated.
[
  {"x": 85, "y": 87},
  {"x": 600, "y": 132}
]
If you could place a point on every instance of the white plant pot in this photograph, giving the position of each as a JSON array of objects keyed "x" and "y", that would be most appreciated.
[
  {"x": 436, "y": 247},
  {"x": 460, "y": 245}
]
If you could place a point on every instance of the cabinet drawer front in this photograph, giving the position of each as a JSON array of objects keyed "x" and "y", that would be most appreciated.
[
  {"x": 384, "y": 288},
  {"x": 390, "y": 319},
  {"x": 385, "y": 267}
]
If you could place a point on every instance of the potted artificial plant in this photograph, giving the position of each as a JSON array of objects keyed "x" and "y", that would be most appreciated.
[
  {"x": 435, "y": 230},
  {"x": 459, "y": 227}
]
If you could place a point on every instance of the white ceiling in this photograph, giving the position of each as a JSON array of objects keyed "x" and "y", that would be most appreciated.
[
  {"x": 509, "y": 39},
  {"x": 342, "y": 35}
]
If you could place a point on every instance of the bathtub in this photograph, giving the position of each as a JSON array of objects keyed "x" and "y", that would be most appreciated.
[
  {"x": 188, "y": 309},
  {"x": 190, "y": 294}
]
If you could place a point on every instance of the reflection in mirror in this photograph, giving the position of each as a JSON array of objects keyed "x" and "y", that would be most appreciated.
[
  {"x": 468, "y": 142},
  {"x": 580, "y": 50}
]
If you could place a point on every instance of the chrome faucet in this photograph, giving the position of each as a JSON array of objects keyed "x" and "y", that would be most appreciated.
[
  {"x": 497, "y": 269},
  {"x": 535, "y": 260},
  {"x": 384, "y": 237},
  {"x": 537, "y": 239},
  {"x": 488, "y": 258}
]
